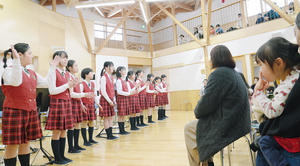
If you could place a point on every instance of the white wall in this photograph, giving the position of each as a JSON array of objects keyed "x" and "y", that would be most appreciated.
[
  {"x": 117, "y": 60},
  {"x": 146, "y": 69},
  {"x": 237, "y": 47}
]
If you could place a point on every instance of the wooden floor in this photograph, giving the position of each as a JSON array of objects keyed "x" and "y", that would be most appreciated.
[{"x": 160, "y": 144}]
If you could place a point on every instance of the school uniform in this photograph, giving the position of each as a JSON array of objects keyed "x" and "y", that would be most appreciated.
[
  {"x": 20, "y": 121},
  {"x": 134, "y": 105},
  {"x": 107, "y": 91},
  {"x": 134, "y": 102},
  {"x": 89, "y": 103},
  {"x": 122, "y": 99},
  {"x": 159, "y": 96},
  {"x": 150, "y": 96},
  {"x": 142, "y": 94},
  {"x": 76, "y": 103},
  {"x": 165, "y": 94}
]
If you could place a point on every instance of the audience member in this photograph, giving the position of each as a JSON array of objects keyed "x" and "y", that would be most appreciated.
[
  {"x": 182, "y": 40},
  {"x": 260, "y": 18},
  {"x": 219, "y": 29}
]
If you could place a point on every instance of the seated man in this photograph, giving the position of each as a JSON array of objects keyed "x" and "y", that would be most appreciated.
[
  {"x": 219, "y": 29},
  {"x": 182, "y": 40},
  {"x": 260, "y": 18}
]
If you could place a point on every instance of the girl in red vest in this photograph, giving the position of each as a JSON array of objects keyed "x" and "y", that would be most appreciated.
[
  {"x": 107, "y": 99},
  {"x": 159, "y": 97},
  {"x": 142, "y": 97},
  {"x": 165, "y": 94},
  {"x": 60, "y": 116},
  {"x": 87, "y": 86},
  {"x": 134, "y": 102},
  {"x": 150, "y": 97},
  {"x": 122, "y": 99},
  {"x": 77, "y": 110},
  {"x": 20, "y": 121}
]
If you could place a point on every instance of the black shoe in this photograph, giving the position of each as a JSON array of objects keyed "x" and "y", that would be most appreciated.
[
  {"x": 112, "y": 138},
  {"x": 144, "y": 125},
  {"x": 68, "y": 160},
  {"x": 151, "y": 122},
  {"x": 79, "y": 148},
  {"x": 135, "y": 129},
  {"x": 62, "y": 162},
  {"x": 93, "y": 141},
  {"x": 74, "y": 151},
  {"x": 124, "y": 133},
  {"x": 210, "y": 163},
  {"x": 140, "y": 125},
  {"x": 87, "y": 144}
]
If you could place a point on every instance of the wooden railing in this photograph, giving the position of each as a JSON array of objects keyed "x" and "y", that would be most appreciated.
[{"x": 226, "y": 16}]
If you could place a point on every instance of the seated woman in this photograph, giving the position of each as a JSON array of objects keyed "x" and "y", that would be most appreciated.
[{"x": 221, "y": 119}]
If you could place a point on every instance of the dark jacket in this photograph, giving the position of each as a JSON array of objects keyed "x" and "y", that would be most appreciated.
[
  {"x": 223, "y": 112},
  {"x": 286, "y": 125}
]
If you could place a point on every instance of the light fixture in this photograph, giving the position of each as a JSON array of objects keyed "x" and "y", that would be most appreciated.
[
  {"x": 102, "y": 3},
  {"x": 143, "y": 11},
  {"x": 99, "y": 11},
  {"x": 58, "y": 48}
]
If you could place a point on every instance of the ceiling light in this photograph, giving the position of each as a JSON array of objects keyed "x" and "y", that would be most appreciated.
[
  {"x": 143, "y": 11},
  {"x": 101, "y": 3}
]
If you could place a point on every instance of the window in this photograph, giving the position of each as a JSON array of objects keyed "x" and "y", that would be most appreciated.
[
  {"x": 101, "y": 31},
  {"x": 253, "y": 6}
]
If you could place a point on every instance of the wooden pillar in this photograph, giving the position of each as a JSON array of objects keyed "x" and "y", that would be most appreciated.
[
  {"x": 204, "y": 19},
  {"x": 261, "y": 7},
  {"x": 208, "y": 22},
  {"x": 124, "y": 36},
  {"x": 243, "y": 13},
  {"x": 246, "y": 9},
  {"x": 174, "y": 26},
  {"x": 86, "y": 36},
  {"x": 207, "y": 63},
  {"x": 93, "y": 59},
  {"x": 54, "y": 5},
  {"x": 296, "y": 6},
  {"x": 150, "y": 41}
]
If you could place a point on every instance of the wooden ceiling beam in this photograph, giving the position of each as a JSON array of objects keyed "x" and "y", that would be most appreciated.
[
  {"x": 183, "y": 6},
  {"x": 188, "y": 1},
  {"x": 197, "y": 5},
  {"x": 42, "y": 2},
  {"x": 115, "y": 11},
  {"x": 86, "y": 36}
]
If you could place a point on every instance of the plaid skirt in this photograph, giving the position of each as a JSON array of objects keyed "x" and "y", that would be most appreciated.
[
  {"x": 134, "y": 104},
  {"x": 150, "y": 101},
  {"x": 60, "y": 115},
  {"x": 77, "y": 111},
  {"x": 108, "y": 110},
  {"x": 90, "y": 112},
  {"x": 165, "y": 99},
  {"x": 123, "y": 105},
  {"x": 143, "y": 101},
  {"x": 159, "y": 100},
  {"x": 20, "y": 126}
]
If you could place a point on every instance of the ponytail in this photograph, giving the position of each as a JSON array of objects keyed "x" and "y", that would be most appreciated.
[
  {"x": 149, "y": 76},
  {"x": 20, "y": 48},
  {"x": 137, "y": 74},
  {"x": 118, "y": 72},
  {"x": 5, "y": 59},
  {"x": 70, "y": 64}
]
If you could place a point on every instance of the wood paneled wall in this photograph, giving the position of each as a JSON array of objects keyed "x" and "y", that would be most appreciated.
[{"x": 177, "y": 97}]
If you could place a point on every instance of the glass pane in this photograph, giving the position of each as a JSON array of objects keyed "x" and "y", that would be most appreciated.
[
  {"x": 253, "y": 7},
  {"x": 99, "y": 27},
  {"x": 110, "y": 29},
  {"x": 99, "y": 34},
  {"x": 119, "y": 31},
  {"x": 118, "y": 37},
  {"x": 239, "y": 66}
]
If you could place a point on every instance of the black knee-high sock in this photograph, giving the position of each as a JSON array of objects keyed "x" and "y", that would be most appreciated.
[
  {"x": 70, "y": 136},
  {"x": 10, "y": 162},
  {"x": 142, "y": 119},
  {"x": 107, "y": 133},
  {"x": 83, "y": 133},
  {"x": 55, "y": 149},
  {"x": 91, "y": 131},
  {"x": 137, "y": 120},
  {"x": 120, "y": 127},
  {"x": 110, "y": 132},
  {"x": 131, "y": 125},
  {"x": 24, "y": 159},
  {"x": 76, "y": 137},
  {"x": 62, "y": 145}
]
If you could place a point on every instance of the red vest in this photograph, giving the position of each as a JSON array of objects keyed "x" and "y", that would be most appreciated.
[
  {"x": 86, "y": 89},
  {"x": 164, "y": 85},
  {"x": 142, "y": 84},
  {"x": 61, "y": 80},
  {"x": 132, "y": 86},
  {"x": 76, "y": 89},
  {"x": 124, "y": 86},
  {"x": 151, "y": 87},
  {"x": 159, "y": 93},
  {"x": 23, "y": 96},
  {"x": 110, "y": 88}
]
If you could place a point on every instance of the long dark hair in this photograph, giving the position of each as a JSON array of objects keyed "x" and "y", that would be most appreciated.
[
  {"x": 119, "y": 71},
  {"x": 149, "y": 76},
  {"x": 70, "y": 64},
  {"x": 137, "y": 74},
  {"x": 106, "y": 64},
  {"x": 129, "y": 73},
  {"x": 20, "y": 47},
  {"x": 278, "y": 47}
]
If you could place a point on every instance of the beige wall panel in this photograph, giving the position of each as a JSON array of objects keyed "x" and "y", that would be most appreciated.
[
  {"x": 178, "y": 96},
  {"x": 46, "y": 54},
  {"x": 121, "y": 52},
  {"x": 139, "y": 61},
  {"x": 24, "y": 7},
  {"x": 51, "y": 17},
  {"x": 18, "y": 26},
  {"x": 50, "y": 35}
]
